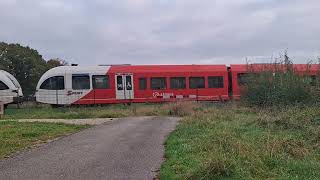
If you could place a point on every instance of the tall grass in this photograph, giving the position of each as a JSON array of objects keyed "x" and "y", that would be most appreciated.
[{"x": 245, "y": 143}]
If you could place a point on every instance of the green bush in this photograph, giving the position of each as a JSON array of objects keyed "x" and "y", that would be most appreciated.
[{"x": 278, "y": 84}]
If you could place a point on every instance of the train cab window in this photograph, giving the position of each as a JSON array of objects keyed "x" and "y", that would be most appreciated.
[
  {"x": 158, "y": 83},
  {"x": 178, "y": 83},
  {"x": 215, "y": 81},
  {"x": 142, "y": 83},
  {"x": 196, "y": 82},
  {"x": 53, "y": 83},
  {"x": 3, "y": 86},
  {"x": 100, "y": 82},
  {"x": 80, "y": 82}
]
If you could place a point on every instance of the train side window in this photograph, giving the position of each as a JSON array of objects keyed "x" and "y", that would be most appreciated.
[
  {"x": 196, "y": 82},
  {"x": 3, "y": 86},
  {"x": 178, "y": 83},
  {"x": 53, "y": 83},
  {"x": 313, "y": 80},
  {"x": 158, "y": 83},
  {"x": 243, "y": 79},
  {"x": 215, "y": 82},
  {"x": 142, "y": 83},
  {"x": 80, "y": 82},
  {"x": 100, "y": 82}
]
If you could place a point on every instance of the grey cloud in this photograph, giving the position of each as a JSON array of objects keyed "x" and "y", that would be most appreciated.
[{"x": 162, "y": 32}]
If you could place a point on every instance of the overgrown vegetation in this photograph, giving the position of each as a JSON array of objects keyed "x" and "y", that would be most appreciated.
[
  {"x": 244, "y": 143},
  {"x": 281, "y": 83},
  {"x": 15, "y": 136}
]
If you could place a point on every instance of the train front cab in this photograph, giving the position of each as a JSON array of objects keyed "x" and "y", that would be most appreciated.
[
  {"x": 68, "y": 85},
  {"x": 10, "y": 89}
]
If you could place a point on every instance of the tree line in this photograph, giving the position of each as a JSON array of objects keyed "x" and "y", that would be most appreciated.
[{"x": 26, "y": 64}]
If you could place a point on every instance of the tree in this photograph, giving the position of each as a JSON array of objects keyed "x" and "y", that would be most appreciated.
[
  {"x": 56, "y": 62},
  {"x": 26, "y": 64}
]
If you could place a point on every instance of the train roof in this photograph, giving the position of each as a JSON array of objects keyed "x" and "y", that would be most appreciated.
[
  {"x": 77, "y": 69},
  {"x": 135, "y": 68},
  {"x": 169, "y": 68},
  {"x": 9, "y": 80}
]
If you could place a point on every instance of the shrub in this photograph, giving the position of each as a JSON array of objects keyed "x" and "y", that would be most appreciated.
[{"x": 280, "y": 84}]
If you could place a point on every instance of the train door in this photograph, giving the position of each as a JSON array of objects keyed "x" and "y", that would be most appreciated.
[{"x": 124, "y": 86}]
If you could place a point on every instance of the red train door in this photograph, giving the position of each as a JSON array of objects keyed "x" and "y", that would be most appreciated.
[{"x": 124, "y": 86}]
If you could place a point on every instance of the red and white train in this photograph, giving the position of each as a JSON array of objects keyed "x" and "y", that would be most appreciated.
[{"x": 67, "y": 85}]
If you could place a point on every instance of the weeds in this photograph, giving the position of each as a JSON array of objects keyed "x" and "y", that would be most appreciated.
[
  {"x": 245, "y": 143},
  {"x": 281, "y": 83}
]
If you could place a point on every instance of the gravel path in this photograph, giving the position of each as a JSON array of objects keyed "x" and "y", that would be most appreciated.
[
  {"x": 95, "y": 121},
  {"x": 129, "y": 148}
]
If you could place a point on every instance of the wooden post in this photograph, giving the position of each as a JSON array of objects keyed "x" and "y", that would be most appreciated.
[{"x": 1, "y": 110}]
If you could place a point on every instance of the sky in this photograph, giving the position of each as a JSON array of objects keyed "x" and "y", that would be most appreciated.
[{"x": 92, "y": 32}]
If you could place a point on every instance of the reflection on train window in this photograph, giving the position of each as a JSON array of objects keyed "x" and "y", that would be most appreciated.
[
  {"x": 80, "y": 82},
  {"x": 197, "y": 82},
  {"x": 178, "y": 83},
  {"x": 53, "y": 83},
  {"x": 158, "y": 83},
  {"x": 215, "y": 81},
  {"x": 119, "y": 83},
  {"x": 100, "y": 82},
  {"x": 128, "y": 83},
  {"x": 142, "y": 83},
  {"x": 3, "y": 86}
]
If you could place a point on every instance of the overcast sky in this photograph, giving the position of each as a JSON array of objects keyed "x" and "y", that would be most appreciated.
[{"x": 91, "y": 32}]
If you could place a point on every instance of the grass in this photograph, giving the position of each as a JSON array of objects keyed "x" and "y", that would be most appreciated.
[
  {"x": 244, "y": 143},
  {"x": 15, "y": 136},
  {"x": 82, "y": 112}
]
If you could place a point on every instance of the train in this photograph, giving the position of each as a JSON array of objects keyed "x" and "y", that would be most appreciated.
[
  {"x": 110, "y": 84},
  {"x": 10, "y": 89}
]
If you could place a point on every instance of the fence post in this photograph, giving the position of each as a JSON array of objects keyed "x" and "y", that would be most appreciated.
[{"x": 1, "y": 110}]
